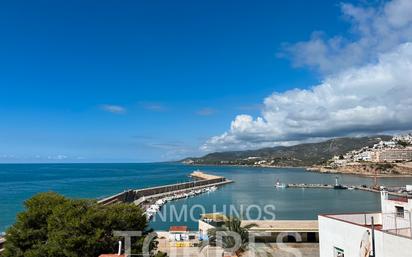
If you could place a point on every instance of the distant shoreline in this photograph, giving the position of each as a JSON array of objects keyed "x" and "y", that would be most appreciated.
[
  {"x": 329, "y": 171},
  {"x": 247, "y": 166},
  {"x": 308, "y": 169}
]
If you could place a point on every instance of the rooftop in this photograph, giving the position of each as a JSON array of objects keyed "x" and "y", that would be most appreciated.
[
  {"x": 283, "y": 225},
  {"x": 386, "y": 222},
  {"x": 178, "y": 229},
  {"x": 398, "y": 198},
  {"x": 214, "y": 216}
]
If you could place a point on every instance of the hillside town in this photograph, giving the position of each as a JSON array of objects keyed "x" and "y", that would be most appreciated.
[
  {"x": 396, "y": 150},
  {"x": 390, "y": 153},
  {"x": 386, "y": 158}
]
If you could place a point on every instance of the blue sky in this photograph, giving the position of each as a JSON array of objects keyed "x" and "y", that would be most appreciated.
[{"x": 137, "y": 81}]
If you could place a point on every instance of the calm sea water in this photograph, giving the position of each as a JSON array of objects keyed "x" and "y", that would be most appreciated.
[{"x": 253, "y": 186}]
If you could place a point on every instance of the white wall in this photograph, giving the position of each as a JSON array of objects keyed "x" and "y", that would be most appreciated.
[
  {"x": 390, "y": 219},
  {"x": 204, "y": 227},
  {"x": 347, "y": 236},
  {"x": 388, "y": 206}
]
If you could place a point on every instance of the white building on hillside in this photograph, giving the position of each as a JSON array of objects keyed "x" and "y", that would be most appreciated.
[{"x": 350, "y": 235}]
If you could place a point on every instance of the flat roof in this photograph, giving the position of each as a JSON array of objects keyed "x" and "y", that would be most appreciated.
[
  {"x": 353, "y": 219},
  {"x": 214, "y": 216},
  {"x": 178, "y": 229},
  {"x": 283, "y": 225}
]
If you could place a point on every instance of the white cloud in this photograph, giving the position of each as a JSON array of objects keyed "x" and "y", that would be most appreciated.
[
  {"x": 376, "y": 30},
  {"x": 57, "y": 157},
  {"x": 172, "y": 150},
  {"x": 7, "y": 156},
  {"x": 117, "y": 109},
  {"x": 363, "y": 95}
]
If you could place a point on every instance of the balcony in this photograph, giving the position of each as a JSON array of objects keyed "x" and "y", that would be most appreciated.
[{"x": 398, "y": 223}]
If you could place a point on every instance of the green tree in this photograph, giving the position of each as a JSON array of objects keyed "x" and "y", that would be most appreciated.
[
  {"x": 28, "y": 236},
  {"x": 232, "y": 224},
  {"x": 56, "y": 226},
  {"x": 402, "y": 143}
]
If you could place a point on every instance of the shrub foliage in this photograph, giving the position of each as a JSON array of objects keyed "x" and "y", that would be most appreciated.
[{"x": 55, "y": 226}]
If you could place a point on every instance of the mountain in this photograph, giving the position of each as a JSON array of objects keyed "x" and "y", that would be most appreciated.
[{"x": 298, "y": 155}]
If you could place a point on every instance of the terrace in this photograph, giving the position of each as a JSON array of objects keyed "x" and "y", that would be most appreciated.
[{"x": 398, "y": 223}]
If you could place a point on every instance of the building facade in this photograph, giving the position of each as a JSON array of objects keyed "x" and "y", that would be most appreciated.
[
  {"x": 393, "y": 155},
  {"x": 352, "y": 235},
  {"x": 268, "y": 231}
]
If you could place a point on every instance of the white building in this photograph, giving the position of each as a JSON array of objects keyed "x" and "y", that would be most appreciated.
[
  {"x": 364, "y": 156},
  {"x": 393, "y": 155},
  {"x": 294, "y": 231},
  {"x": 350, "y": 235},
  {"x": 406, "y": 138}
]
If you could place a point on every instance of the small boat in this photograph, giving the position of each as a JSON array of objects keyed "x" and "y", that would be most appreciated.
[
  {"x": 280, "y": 185},
  {"x": 160, "y": 202},
  {"x": 337, "y": 185},
  {"x": 213, "y": 188}
]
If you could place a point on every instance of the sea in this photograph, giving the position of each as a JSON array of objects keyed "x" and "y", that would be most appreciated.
[{"x": 253, "y": 190}]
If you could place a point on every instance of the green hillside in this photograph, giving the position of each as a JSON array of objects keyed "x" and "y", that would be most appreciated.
[{"x": 297, "y": 155}]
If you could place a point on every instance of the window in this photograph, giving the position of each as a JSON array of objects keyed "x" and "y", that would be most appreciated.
[
  {"x": 337, "y": 252},
  {"x": 400, "y": 212}
]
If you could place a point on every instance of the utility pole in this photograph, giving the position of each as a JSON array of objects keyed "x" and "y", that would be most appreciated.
[
  {"x": 375, "y": 178},
  {"x": 373, "y": 237}
]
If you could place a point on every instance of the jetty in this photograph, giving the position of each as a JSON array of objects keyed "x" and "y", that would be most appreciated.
[
  {"x": 144, "y": 195},
  {"x": 199, "y": 175},
  {"x": 325, "y": 186},
  {"x": 394, "y": 191}
]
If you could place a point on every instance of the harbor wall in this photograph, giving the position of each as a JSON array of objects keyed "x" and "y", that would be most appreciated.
[
  {"x": 125, "y": 197},
  {"x": 176, "y": 187},
  {"x": 130, "y": 196}
]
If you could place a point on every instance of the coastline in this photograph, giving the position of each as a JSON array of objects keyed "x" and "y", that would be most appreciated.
[
  {"x": 318, "y": 170},
  {"x": 315, "y": 169},
  {"x": 247, "y": 166},
  {"x": 104, "y": 180},
  {"x": 366, "y": 170}
]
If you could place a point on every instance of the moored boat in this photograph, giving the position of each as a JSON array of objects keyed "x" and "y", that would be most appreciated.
[{"x": 280, "y": 185}]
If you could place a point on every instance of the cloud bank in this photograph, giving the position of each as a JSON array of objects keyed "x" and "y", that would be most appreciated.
[
  {"x": 367, "y": 86},
  {"x": 374, "y": 30}
]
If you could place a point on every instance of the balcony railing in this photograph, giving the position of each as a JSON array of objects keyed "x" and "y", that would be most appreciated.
[
  {"x": 398, "y": 198},
  {"x": 398, "y": 223}
]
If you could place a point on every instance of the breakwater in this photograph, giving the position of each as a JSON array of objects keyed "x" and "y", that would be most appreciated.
[
  {"x": 140, "y": 196},
  {"x": 325, "y": 186},
  {"x": 394, "y": 191}
]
